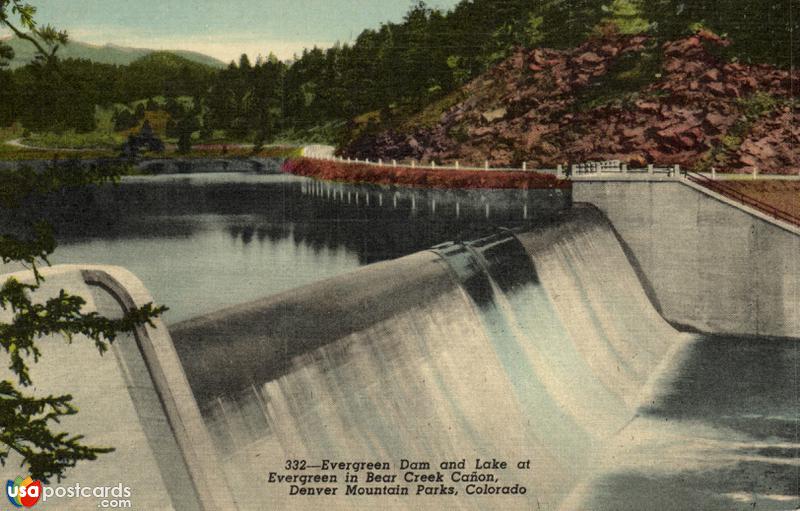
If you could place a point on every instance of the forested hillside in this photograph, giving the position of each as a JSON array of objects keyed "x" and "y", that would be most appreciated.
[
  {"x": 25, "y": 53},
  {"x": 614, "y": 97},
  {"x": 396, "y": 76},
  {"x": 63, "y": 95}
]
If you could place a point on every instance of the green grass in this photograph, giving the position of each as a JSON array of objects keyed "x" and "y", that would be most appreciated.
[
  {"x": 11, "y": 153},
  {"x": 10, "y": 132},
  {"x": 104, "y": 142},
  {"x": 430, "y": 116},
  {"x": 72, "y": 140},
  {"x": 328, "y": 133},
  {"x": 14, "y": 153}
]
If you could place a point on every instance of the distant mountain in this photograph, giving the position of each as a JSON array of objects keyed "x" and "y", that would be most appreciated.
[
  {"x": 106, "y": 54},
  {"x": 167, "y": 60}
]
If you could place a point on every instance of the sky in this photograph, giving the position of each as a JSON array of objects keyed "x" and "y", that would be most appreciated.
[{"x": 222, "y": 29}]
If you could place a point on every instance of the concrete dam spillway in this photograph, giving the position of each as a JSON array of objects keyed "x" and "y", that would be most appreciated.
[
  {"x": 637, "y": 353},
  {"x": 541, "y": 346}
]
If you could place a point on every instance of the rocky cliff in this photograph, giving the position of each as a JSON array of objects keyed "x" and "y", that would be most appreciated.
[{"x": 615, "y": 97}]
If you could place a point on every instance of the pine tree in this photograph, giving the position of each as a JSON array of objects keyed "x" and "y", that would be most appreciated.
[{"x": 27, "y": 422}]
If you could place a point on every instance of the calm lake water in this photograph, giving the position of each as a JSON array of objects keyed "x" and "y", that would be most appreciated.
[{"x": 202, "y": 242}]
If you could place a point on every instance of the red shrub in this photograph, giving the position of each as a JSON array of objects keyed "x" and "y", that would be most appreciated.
[{"x": 421, "y": 177}]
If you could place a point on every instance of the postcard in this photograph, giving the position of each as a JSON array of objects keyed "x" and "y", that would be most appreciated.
[{"x": 401, "y": 255}]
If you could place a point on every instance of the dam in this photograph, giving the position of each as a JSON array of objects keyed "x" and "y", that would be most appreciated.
[{"x": 635, "y": 343}]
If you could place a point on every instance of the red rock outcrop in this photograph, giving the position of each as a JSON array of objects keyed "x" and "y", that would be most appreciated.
[{"x": 694, "y": 112}]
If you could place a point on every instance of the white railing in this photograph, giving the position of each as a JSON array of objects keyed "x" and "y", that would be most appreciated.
[
  {"x": 318, "y": 152},
  {"x": 592, "y": 167}
]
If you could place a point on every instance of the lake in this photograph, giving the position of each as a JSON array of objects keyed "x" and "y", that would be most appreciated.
[{"x": 202, "y": 242}]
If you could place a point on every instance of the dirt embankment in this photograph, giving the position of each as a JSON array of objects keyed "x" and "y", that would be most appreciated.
[
  {"x": 425, "y": 178},
  {"x": 781, "y": 195},
  {"x": 615, "y": 98}
]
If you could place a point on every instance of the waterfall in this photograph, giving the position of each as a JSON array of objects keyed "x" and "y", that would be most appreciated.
[{"x": 522, "y": 346}]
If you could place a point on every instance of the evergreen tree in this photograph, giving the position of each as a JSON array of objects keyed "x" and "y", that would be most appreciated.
[
  {"x": 28, "y": 422},
  {"x": 626, "y": 16}
]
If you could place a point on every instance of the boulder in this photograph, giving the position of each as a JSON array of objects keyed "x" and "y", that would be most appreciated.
[
  {"x": 493, "y": 115},
  {"x": 529, "y": 103}
]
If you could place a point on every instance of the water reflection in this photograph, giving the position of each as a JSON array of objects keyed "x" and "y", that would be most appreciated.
[{"x": 205, "y": 241}]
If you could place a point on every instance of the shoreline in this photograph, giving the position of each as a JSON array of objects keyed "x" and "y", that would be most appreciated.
[{"x": 358, "y": 173}]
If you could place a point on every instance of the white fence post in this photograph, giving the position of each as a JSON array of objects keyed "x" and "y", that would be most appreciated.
[
  {"x": 524, "y": 165},
  {"x": 650, "y": 168},
  {"x": 413, "y": 164},
  {"x": 394, "y": 163},
  {"x": 755, "y": 172},
  {"x": 486, "y": 165},
  {"x": 433, "y": 164},
  {"x": 713, "y": 173},
  {"x": 560, "y": 170},
  {"x": 380, "y": 162},
  {"x": 457, "y": 165}
]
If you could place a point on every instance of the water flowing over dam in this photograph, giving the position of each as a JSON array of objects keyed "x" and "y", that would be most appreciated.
[
  {"x": 537, "y": 346},
  {"x": 540, "y": 342}
]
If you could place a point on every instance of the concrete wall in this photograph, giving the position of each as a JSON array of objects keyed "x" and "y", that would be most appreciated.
[
  {"x": 135, "y": 399},
  {"x": 707, "y": 263}
]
